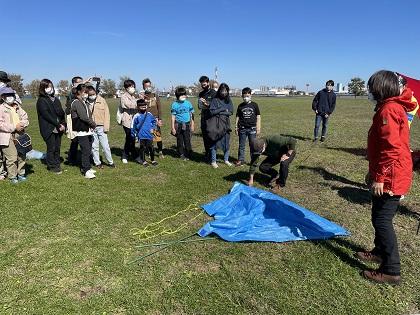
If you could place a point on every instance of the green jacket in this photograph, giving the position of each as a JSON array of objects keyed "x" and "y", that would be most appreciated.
[{"x": 275, "y": 147}]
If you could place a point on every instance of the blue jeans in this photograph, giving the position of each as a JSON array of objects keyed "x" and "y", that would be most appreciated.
[
  {"x": 100, "y": 137},
  {"x": 318, "y": 119},
  {"x": 224, "y": 143},
  {"x": 251, "y": 134}
]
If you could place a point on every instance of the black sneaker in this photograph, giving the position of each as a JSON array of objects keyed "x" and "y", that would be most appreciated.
[
  {"x": 315, "y": 140},
  {"x": 322, "y": 139},
  {"x": 154, "y": 163},
  {"x": 111, "y": 165}
]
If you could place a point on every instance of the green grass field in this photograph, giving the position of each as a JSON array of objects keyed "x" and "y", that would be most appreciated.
[{"x": 66, "y": 242}]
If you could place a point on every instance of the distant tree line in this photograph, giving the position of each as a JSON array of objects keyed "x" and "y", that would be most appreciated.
[{"x": 109, "y": 87}]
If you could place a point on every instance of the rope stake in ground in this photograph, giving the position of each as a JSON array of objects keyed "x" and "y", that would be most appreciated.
[{"x": 157, "y": 229}]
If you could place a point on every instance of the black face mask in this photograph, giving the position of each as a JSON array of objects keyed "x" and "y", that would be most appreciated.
[
  {"x": 142, "y": 111},
  {"x": 206, "y": 87}
]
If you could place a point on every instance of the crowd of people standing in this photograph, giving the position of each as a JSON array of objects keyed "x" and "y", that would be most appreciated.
[{"x": 86, "y": 121}]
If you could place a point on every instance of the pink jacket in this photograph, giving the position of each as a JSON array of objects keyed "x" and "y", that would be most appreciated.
[{"x": 6, "y": 126}]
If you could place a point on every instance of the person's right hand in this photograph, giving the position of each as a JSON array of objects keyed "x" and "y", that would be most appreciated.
[
  {"x": 316, "y": 112},
  {"x": 173, "y": 131},
  {"x": 202, "y": 100},
  {"x": 377, "y": 189},
  {"x": 251, "y": 182},
  {"x": 19, "y": 127}
]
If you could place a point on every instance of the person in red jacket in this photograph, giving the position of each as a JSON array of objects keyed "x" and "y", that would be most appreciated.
[{"x": 390, "y": 172}]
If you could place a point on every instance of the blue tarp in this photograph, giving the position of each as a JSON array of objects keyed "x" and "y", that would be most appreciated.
[{"x": 252, "y": 214}]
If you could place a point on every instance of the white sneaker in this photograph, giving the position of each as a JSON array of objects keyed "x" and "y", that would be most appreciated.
[
  {"x": 214, "y": 165},
  {"x": 92, "y": 170},
  {"x": 124, "y": 161},
  {"x": 89, "y": 175},
  {"x": 228, "y": 163}
]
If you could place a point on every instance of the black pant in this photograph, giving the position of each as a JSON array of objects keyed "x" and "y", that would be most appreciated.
[
  {"x": 386, "y": 245},
  {"x": 129, "y": 145},
  {"x": 85, "y": 143},
  {"x": 72, "y": 156},
  {"x": 206, "y": 140},
  {"x": 53, "y": 151},
  {"x": 146, "y": 146},
  {"x": 266, "y": 167},
  {"x": 183, "y": 139}
]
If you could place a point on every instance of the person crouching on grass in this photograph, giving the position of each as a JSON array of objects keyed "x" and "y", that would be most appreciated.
[
  {"x": 390, "y": 172},
  {"x": 182, "y": 123},
  {"x": 142, "y": 127},
  {"x": 278, "y": 150}
]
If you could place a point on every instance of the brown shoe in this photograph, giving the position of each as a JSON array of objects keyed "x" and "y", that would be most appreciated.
[
  {"x": 273, "y": 182},
  {"x": 276, "y": 189},
  {"x": 368, "y": 256},
  {"x": 380, "y": 277}
]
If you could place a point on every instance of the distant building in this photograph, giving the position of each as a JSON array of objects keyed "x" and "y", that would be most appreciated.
[{"x": 341, "y": 89}]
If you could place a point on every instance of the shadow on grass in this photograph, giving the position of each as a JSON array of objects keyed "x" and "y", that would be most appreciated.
[
  {"x": 330, "y": 176},
  {"x": 29, "y": 169},
  {"x": 297, "y": 137},
  {"x": 353, "y": 195},
  {"x": 404, "y": 210},
  {"x": 340, "y": 247},
  {"x": 354, "y": 151},
  {"x": 117, "y": 151}
]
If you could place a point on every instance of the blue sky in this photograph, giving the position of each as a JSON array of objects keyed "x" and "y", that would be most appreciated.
[{"x": 253, "y": 43}]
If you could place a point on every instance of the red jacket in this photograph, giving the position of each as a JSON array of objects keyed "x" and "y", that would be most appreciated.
[{"x": 389, "y": 145}]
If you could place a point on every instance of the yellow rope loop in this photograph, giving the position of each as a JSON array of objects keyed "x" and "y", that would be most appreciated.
[{"x": 156, "y": 229}]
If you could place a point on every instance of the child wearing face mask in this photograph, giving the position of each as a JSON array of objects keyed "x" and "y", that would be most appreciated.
[
  {"x": 221, "y": 108},
  {"x": 100, "y": 115},
  {"x": 83, "y": 126},
  {"x": 13, "y": 121},
  {"x": 248, "y": 123},
  {"x": 155, "y": 108},
  {"x": 128, "y": 107},
  {"x": 143, "y": 125},
  {"x": 182, "y": 123}
]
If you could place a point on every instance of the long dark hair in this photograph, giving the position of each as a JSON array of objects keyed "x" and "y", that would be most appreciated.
[
  {"x": 43, "y": 85},
  {"x": 223, "y": 87}
]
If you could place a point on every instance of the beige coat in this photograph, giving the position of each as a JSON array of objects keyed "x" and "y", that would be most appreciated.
[
  {"x": 100, "y": 112},
  {"x": 7, "y": 128},
  {"x": 128, "y": 106}
]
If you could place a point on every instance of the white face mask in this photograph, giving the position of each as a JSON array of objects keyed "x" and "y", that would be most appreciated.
[
  {"x": 247, "y": 99},
  {"x": 2, "y": 85},
  {"x": 92, "y": 98},
  {"x": 10, "y": 100},
  {"x": 49, "y": 90},
  {"x": 148, "y": 89},
  {"x": 131, "y": 90},
  {"x": 371, "y": 98},
  {"x": 182, "y": 98}
]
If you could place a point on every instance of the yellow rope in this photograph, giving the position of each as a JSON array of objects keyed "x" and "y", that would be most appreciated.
[{"x": 156, "y": 229}]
